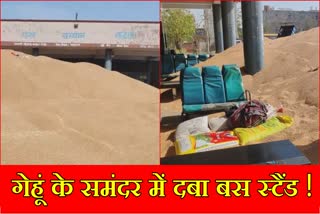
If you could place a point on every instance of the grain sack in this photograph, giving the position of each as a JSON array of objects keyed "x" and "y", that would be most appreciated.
[
  {"x": 206, "y": 142},
  {"x": 219, "y": 124},
  {"x": 192, "y": 127},
  {"x": 270, "y": 127}
]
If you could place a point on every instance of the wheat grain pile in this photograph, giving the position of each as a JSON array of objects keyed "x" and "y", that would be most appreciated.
[{"x": 55, "y": 112}]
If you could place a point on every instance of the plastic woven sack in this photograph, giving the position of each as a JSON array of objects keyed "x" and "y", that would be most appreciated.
[
  {"x": 272, "y": 126},
  {"x": 192, "y": 127},
  {"x": 206, "y": 142}
]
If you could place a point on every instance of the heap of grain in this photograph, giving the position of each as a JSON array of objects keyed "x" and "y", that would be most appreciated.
[
  {"x": 58, "y": 112},
  {"x": 289, "y": 78}
]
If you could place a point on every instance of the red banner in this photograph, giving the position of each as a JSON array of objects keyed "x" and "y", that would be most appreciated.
[{"x": 137, "y": 189}]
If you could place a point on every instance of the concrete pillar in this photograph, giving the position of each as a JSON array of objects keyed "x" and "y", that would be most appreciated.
[
  {"x": 252, "y": 23},
  {"x": 108, "y": 59},
  {"x": 229, "y": 23},
  {"x": 209, "y": 27},
  {"x": 35, "y": 51},
  {"x": 218, "y": 31}
]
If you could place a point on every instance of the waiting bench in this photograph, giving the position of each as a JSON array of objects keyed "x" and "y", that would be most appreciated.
[{"x": 211, "y": 89}]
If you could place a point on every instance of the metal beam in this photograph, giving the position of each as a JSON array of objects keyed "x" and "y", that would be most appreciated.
[
  {"x": 218, "y": 31},
  {"x": 229, "y": 24},
  {"x": 252, "y": 36}
]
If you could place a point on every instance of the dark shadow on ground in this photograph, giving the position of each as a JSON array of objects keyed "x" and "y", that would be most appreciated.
[
  {"x": 170, "y": 122},
  {"x": 243, "y": 71},
  {"x": 171, "y": 137},
  {"x": 167, "y": 96},
  {"x": 311, "y": 151},
  {"x": 171, "y": 152}
]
